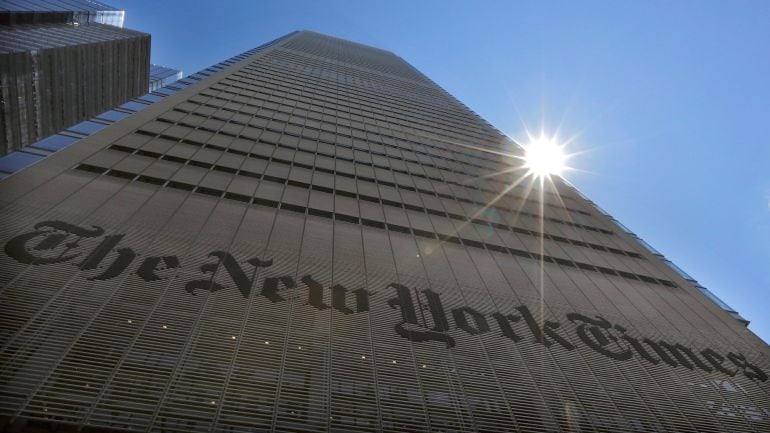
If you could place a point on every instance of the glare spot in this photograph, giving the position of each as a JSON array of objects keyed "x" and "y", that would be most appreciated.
[{"x": 544, "y": 156}]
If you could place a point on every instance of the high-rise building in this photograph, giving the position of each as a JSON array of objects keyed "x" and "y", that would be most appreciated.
[
  {"x": 62, "y": 62},
  {"x": 161, "y": 76},
  {"x": 317, "y": 237},
  {"x": 60, "y": 11},
  {"x": 31, "y": 154}
]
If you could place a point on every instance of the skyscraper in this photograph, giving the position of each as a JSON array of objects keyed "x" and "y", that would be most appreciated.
[
  {"x": 60, "y": 11},
  {"x": 62, "y": 62},
  {"x": 318, "y": 237}
]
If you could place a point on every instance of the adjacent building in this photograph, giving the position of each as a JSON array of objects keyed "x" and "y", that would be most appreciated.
[
  {"x": 62, "y": 62},
  {"x": 317, "y": 237},
  {"x": 60, "y": 11}
]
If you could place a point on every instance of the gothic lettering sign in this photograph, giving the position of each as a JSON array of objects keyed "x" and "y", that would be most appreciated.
[{"x": 54, "y": 242}]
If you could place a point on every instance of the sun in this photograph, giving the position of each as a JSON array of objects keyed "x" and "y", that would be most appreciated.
[{"x": 544, "y": 157}]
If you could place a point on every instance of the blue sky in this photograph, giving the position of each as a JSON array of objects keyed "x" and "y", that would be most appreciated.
[{"x": 671, "y": 98}]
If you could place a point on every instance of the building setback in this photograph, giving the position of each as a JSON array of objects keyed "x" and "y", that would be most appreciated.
[
  {"x": 313, "y": 239},
  {"x": 60, "y": 67},
  {"x": 161, "y": 76}
]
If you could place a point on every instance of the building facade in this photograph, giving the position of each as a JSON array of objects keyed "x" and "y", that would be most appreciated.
[
  {"x": 62, "y": 66},
  {"x": 317, "y": 237}
]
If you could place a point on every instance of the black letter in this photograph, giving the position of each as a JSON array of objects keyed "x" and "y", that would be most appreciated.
[
  {"x": 680, "y": 355},
  {"x": 637, "y": 346},
  {"x": 404, "y": 302},
  {"x": 18, "y": 249},
  {"x": 315, "y": 296},
  {"x": 233, "y": 269},
  {"x": 125, "y": 257},
  {"x": 339, "y": 299},
  {"x": 596, "y": 337},
  {"x": 441, "y": 324},
  {"x": 148, "y": 267},
  {"x": 749, "y": 370},
  {"x": 548, "y": 329},
  {"x": 461, "y": 320},
  {"x": 362, "y": 300},
  {"x": 270, "y": 287},
  {"x": 100, "y": 252},
  {"x": 92, "y": 261},
  {"x": 505, "y": 327},
  {"x": 716, "y": 360}
]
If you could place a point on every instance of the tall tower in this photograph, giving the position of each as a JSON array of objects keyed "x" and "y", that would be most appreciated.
[{"x": 317, "y": 237}]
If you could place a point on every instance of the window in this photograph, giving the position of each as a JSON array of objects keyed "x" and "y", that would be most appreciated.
[
  {"x": 88, "y": 127},
  {"x": 55, "y": 142},
  {"x": 113, "y": 115}
]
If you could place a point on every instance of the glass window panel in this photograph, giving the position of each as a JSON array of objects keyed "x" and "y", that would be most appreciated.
[
  {"x": 55, "y": 142},
  {"x": 113, "y": 115},
  {"x": 134, "y": 106},
  {"x": 88, "y": 127},
  {"x": 150, "y": 97},
  {"x": 166, "y": 91},
  {"x": 15, "y": 161}
]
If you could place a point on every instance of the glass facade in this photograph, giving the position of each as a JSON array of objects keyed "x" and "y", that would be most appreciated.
[
  {"x": 161, "y": 76},
  {"x": 310, "y": 237}
]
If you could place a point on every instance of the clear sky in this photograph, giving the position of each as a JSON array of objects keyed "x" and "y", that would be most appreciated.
[{"x": 672, "y": 98}]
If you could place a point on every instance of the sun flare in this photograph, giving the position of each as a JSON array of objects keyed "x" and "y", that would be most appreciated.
[{"x": 544, "y": 157}]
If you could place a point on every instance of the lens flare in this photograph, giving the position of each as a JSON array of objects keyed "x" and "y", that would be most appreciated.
[{"x": 544, "y": 157}]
